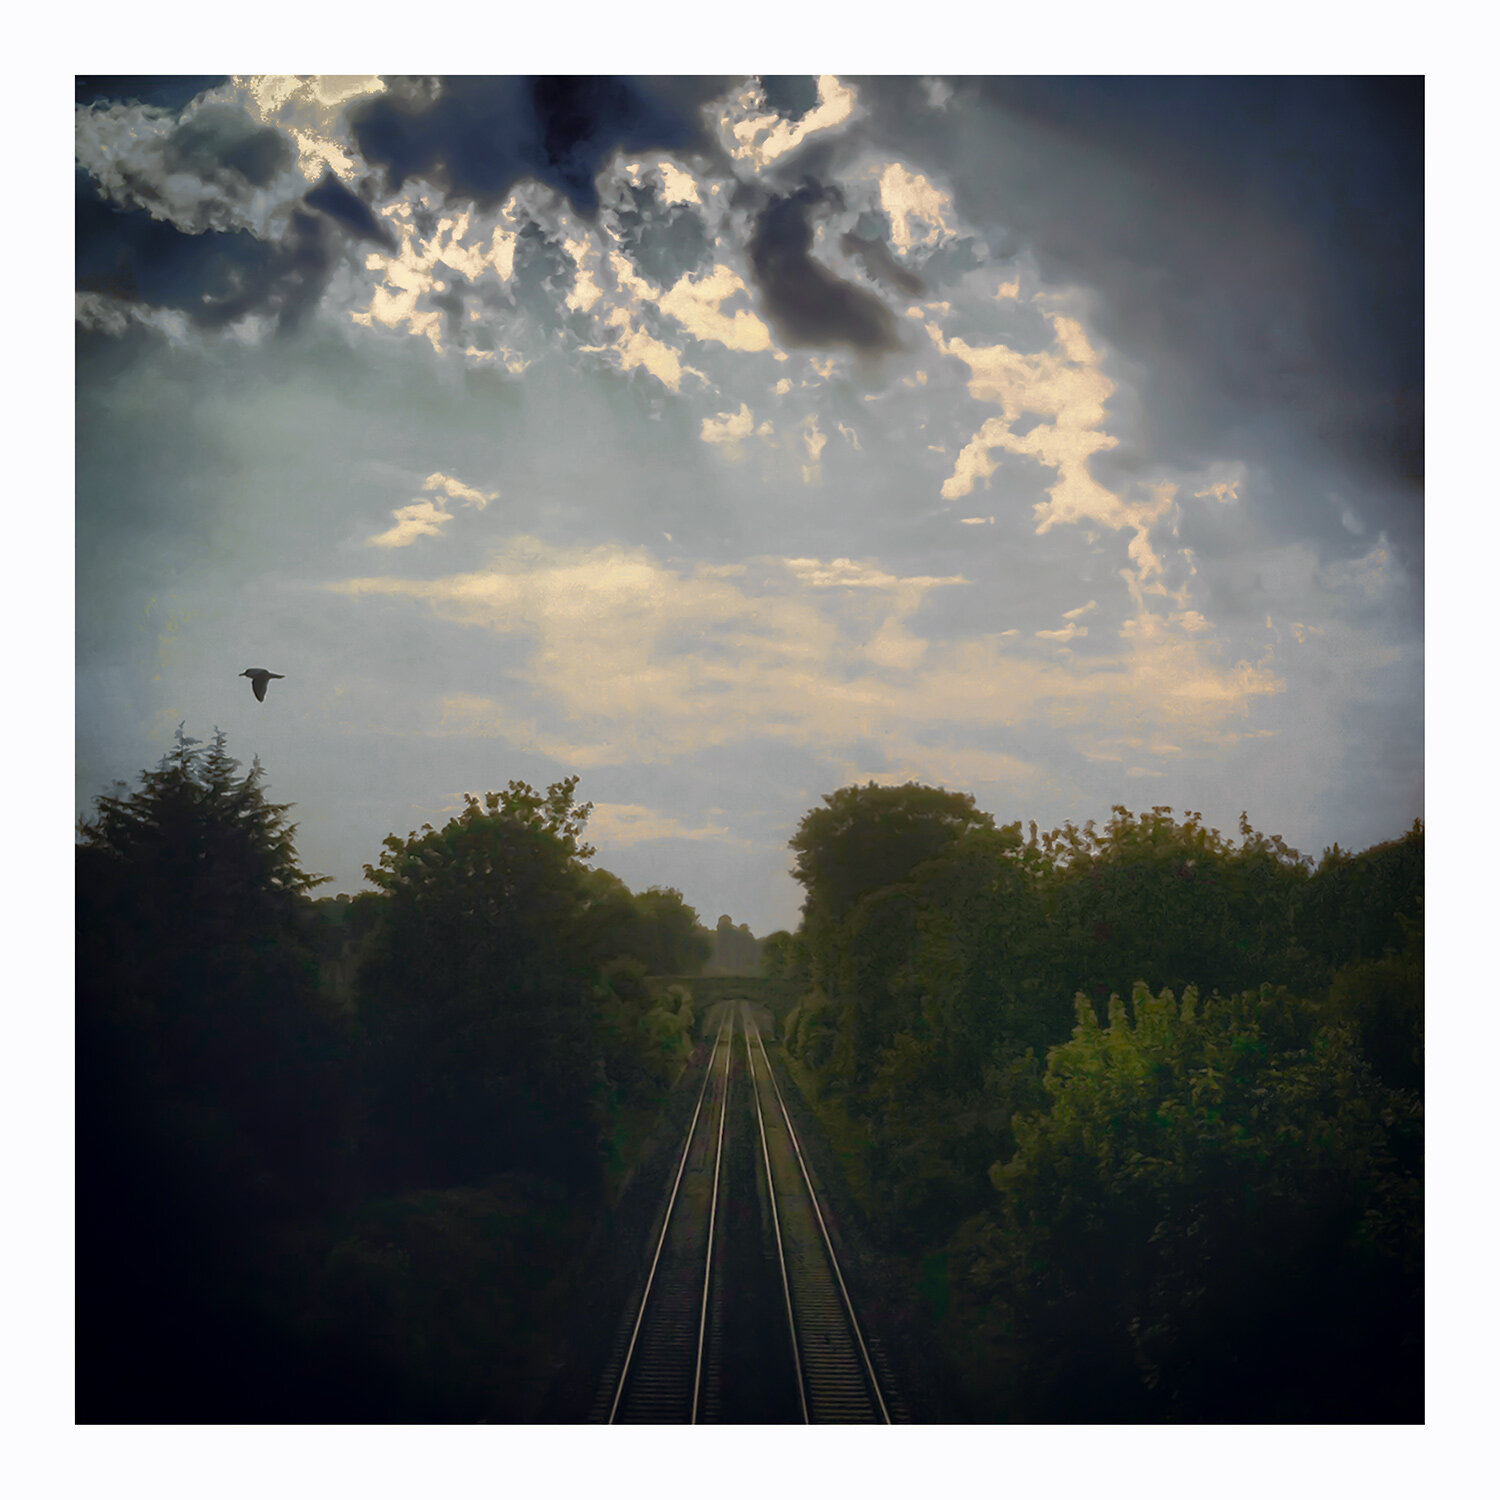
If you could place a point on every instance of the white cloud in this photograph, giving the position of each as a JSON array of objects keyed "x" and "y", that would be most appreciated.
[
  {"x": 620, "y": 823},
  {"x": 814, "y": 440},
  {"x": 637, "y": 349},
  {"x": 634, "y": 659},
  {"x": 456, "y": 489},
  {"x": 696, "y": 303},
  {"x": 430, "y": 517},
  {"x": 1069, "y": 632},
  {"x": 909, "y": 200},
  {"x": 420, "y": 518},
  {"x": 729, "y": 430}
]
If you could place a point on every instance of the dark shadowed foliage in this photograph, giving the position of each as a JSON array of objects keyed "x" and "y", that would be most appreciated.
[
  {"x": 476, "y": 994},
  {"x": 345, "y": 1160},
  {"x": 212, "y": 1079}
]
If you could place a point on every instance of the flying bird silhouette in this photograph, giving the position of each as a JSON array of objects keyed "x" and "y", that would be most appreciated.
[{"x": 259, "y": 677}]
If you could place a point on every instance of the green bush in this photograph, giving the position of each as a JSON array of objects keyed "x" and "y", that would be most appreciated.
[{"x": 1217, "y": 1218}]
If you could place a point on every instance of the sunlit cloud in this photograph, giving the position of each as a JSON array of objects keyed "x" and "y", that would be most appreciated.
[
  {"x": 621, "y": 823},
  {"x": 430, "y": 516},
  {"x": 757, "y": 137},
  {"x": 919, "y": 212},
  {"x": 631, "y": 658}
]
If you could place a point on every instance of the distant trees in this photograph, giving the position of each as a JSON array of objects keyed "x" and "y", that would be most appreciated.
[{"x": 734, "y": 949}]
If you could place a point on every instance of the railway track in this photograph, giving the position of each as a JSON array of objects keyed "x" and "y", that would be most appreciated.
[
  {"x": 658, "y": 1375},
  {"x": 743, "y": 1313}
]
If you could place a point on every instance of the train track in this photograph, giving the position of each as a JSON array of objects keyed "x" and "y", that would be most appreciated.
[
  {"x": 659, "y": 1375},
  {"x": 836, "y": 1375},
  {"x": 743, "y": 1313}
]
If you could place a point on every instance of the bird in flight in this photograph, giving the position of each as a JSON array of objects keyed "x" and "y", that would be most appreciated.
[{"x": 259, "y": 677}]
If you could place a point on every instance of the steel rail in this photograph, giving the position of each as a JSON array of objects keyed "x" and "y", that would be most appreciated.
[
  {"x": 713, "y": 1211},
  {"x": 786, "y": 1285},
  {"x": 833, "y": 1262},
  {"x": 666, "y": 1226}
]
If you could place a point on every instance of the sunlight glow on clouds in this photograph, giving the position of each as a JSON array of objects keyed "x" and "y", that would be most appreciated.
[
  {"x": 696, "y": 304},
  {"x": 756, "y": 138},
  {"x": 619, "y": 823},
  {"x": 429, "y": 517},
  {"x": 910, "y": 199},
  {"x": 635, "y": 659}
]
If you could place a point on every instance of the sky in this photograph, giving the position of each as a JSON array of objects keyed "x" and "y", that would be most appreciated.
[{"x": 724, "y": 440}]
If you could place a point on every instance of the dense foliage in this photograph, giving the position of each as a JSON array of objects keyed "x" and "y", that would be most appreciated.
[
  {"x": 1161, "y": 1208},
  {"x": 1141, "y": 1105},
  {"x": 347, "y": 1153}
]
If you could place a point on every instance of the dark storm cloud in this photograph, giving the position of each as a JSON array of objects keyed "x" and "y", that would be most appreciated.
[
  {"x": 477, "y": 137},
  {"x": 1260, "y": 239},
  {"x": 169, "y": 93},
  {"x": 353, "y": 213},
  {"x": 285, "y": 283},
  {"x": 1338, "y": 162},
  {"x": 876, "y": 258},
  {"x": 213, "y": 278},
  {"x": 806, "y": 303},
  {"x": 790, "y": 97}
]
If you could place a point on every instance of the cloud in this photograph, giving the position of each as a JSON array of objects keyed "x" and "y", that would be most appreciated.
[
  {"x": 909, "y": 199},
  {"x": 212, "y": 168},
  {"x": 807, "y": 304},
  {"x": 615, "y": 824},
  {"x": 814, "y": 440},
  {"x": 430, "y": 517},
  {"x": 334, "y": 199},
  {"x": 628, "y": 659},
  {"x": 730, "y": 430},
  {"x": 881, "y": 265},
  {"x": 756, "y": 138},
  {"x": 1069, "y": 632},
  {"x": 475, "y": 138},
  {"x": 696, "y": 303},
  {"x": 420, "y": 518}
]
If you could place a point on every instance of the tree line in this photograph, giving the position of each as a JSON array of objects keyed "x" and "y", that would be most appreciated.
[
  {"x": 337, "y": 1159},
  {"x": 1140, "y": 1105},
  {"x": 1138, "y": 1108}
]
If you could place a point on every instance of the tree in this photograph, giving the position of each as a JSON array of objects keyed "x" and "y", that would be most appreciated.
[
  {"x": 196, "y": 990},
  {"x": 783, "y": 955},
  {"x": 675, "y": 944},
  {"x": 478, "y": 992},
  {"x": 864, "y": 839},
  {"x": 214, "y": 1097},
  {"x": 1217, "y": 1218}
]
